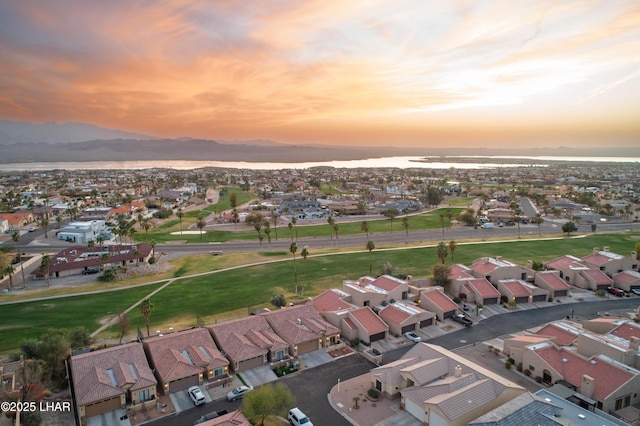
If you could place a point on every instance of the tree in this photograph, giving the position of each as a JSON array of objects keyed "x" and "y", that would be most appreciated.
[
  {"x": 258, "y": 228},
  {"x": 364, "y": 226},
  {"x": 440, "y": 275},
  {"x": 274, "y": 219},
  {"x": 8, "y": 270},
  {"x": 537, "y": 219},
  {"x": 201, "y": 223},
  {"x": 16, "y": 239},
  {"x": 123, "y": 325},
  {"x": 293, "y": 249},
  {"x": 45, "y": 226},
  {"x": 267, "y": 400},
  {"x": 290, "y": 226},
  {"x": 569, "y": 227},
  {"x": 442, "y": 225},
  {"x": 405, "y": 225},
  {"x": 304, "y": 253},
  {"x": 370, "y": 246},
  {"x": 278, "y": 300},
  {"x": 331, "y": 222},
  {"x": 145, "y": 308},
  {"x": 467, "y": 217},
  {"x": 391, "y": 214},
  {"x": 180, "y": 214},
  {"x": 267, "y": 232},
  {"x": 79, "y": 337},
  {"x": 146, "y": 224},
  {"x": 442, "y": 251},
  {"x": 452, "y": 248},
  {"x": 294, "y": 221},
  {"x": 45, "y": 262},
  {"x": 336, "y": 228},
  {"x": 233, "y": 200}
]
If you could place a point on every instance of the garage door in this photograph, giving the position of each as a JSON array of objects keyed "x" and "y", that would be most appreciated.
[
  {"x": 449, "y": 314},
  {"x": 248, "y": 364},
  {"x": 539, "y": 298},
  {"x": 426, "y": 322},
  {"x": 410, "y": 327},
  {"x": 490, "y": 301},
  {"x": 306, "y": 347},
  {"x": 414, "y": 409},
  {"x": 183, "y": 384},
  {"x": 524, "y": 299},
  {"x": 560, "y": 293},
  {"x": 378, "y": 336},
  {"x": 102, "y": 407}
]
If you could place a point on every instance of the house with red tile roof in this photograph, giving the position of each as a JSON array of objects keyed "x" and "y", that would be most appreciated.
[
  {"x": 591, "y": 279},
  {"x": 402, "y": 317},
  {"x": 18, "y": 219},
  {"x": 562, "y": 333},
  {"x": 109, "y": 379},
  {"x": 610, "y": 384},
  {"x": 567, "y": 266},
  {"x": 627, "y": 280},
  {"x": 76, "y": 260},
  {"x": 551, "y": 281},
  {"x": 303, "y": 328},
  {"x": 437, "y": 386},
  {"x": 498, "y": 269},
  {"x": 609, "y": 262},
  {"x": 249, "y": 342},
  {"x": 186, "y": 358},
  {"x": 460, "y": 271},
  {"x": 234, "y": 418},
  {"x": 475, "y": 290},
  {"x": 368, "y": 291},
  {"x": 434, "y": 299},
  {"x": 521, "y": 291},
  {"x": 369, "y": 326}
]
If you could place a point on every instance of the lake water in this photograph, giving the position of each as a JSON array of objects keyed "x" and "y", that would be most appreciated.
[{"x": 434, "y": 162}]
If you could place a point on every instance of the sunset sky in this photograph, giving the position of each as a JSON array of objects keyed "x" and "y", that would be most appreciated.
[{"x": 414, "y": 72}]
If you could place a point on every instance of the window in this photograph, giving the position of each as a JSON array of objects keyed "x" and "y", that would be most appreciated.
[
  {"x": 279, "y": 355},
  {"x": 379, "y": 385},
  {"x": 144, "y": 395},
  {"x": 532, "y": 368},
  {"x": 622, "y": 402},
  {"x": 218, "y": 372}
]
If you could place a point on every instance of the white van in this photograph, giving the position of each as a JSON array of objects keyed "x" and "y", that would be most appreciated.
[
  {"x": 487, "y": 225},
  {"x": 298, "y": 418}
]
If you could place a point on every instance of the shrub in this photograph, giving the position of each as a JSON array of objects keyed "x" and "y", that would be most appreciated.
[
  {"x": 152, "y": 260},
  {"x": 108, "y": 275},
  {"x": 527, "y": 372},
  {"x": 373, "y": 393},
  {"x": 354, "y": 342},
  {"x": 457, "y": 299},
  {"x": 538, "y": 379},
  {"x": 519, "y": 367},
  {"x": 508, "y": 365},
  {"x": 511, "y": 360}
]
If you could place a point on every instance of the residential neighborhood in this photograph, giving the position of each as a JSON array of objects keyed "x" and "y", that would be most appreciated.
[{"x": 150, "y": 374}]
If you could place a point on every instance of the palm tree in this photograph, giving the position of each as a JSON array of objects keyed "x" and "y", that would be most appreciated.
[
  {"x": 236, "y": 217},
  {"x": 304, "y": 253},
  {"x": 293, "y": 248},
  {"x": 45, "y": 262},
  {"x": 442, "y": 225},
  {"x": 104, "y": 257},
  {"x": 45, "y": 226},
  {"x": 180, "y": 214},
  {"x": 137, "y": 254},
  {"x": 294, "y": 220},
  {"x": 16, "y": 239},
  {"x": 258, "y": 228},
  {"x": 405, "y": 225},
  {"x": 391, "y": 214},
  {"x": 146, "y": 225},
  {"x": 442, "y": 251},
  {"x": 59, "y": 220},
  {"x": 274, "y": 218},
  {"x": 91, "y": 245},
  {"x": 336, "y": 228},
  {"x": 364, "y": 226},
  {"x": 452, "y": 248},
  {"x": 99, "y": 240},
  {"x": 267, "y": 231},
  {"x": 130, "y": 233},
  {"x": 370, "y": 246},
  {"x": 201, "y": 223},
  {"x": 331, "y": 222},
  {"x": 153, "y": 248},
  {"x": 8, "y": 270},
  {"x": 290, "y": 226},
  {"x": 145, "y": 308}
]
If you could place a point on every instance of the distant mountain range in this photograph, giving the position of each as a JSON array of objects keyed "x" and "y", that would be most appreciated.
[{"x": 22, "y": 142}]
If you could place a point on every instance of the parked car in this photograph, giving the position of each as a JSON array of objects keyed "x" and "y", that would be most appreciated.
[
  {"x": 616, "y": 291},
  {"x": 297, "y": 418},
  {"x": 636, "y": 291},
  {"x": 487, "y": 225},
  {"x": 238, "y": 393},
  {"x": 90, "y": 270},
  {"x": 460, "y": 318},
  {"x": 196, "y": 395},
  {"x": 210, "y": 416},
  {"x": 411, "y": 335}
]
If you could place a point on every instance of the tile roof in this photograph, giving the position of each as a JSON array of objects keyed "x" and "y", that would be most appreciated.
[
  {"x": 564, "y": 335},
  {"x": 596, "y": 275},
  {"x": 552, "y": 280},
  {"x": 516, "y": 288},
  {"x": 563, "y": 262},
  {"x": 247, "y": 338},
  {"x": 332, "y": 300},
  {"x": 388, "y": 283},
  {"x": 627, "y": 330},
  {"x": 368, "y": 320},
  {"x": 110, "y": 372},
  {"x": 627, "y": 277},
  {"x": 486, "y": 265},
  {"x": 440, "y": 299},
  {"x": 483, "y": 287},
  {"x": 601, "y": 258},
  {"x": 234, "y": 418},
  {"x": 608, "y": 378},
  {"x": 79, "y": 257},
  {"x": 298, "y": 324},
  {"x": 184, "y": 354},
  {"x": 459, "y": 271}
]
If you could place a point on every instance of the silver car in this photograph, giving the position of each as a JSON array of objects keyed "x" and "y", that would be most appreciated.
[{"x": 238, "y": 393}]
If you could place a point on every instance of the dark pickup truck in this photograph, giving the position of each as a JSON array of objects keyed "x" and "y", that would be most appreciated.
[{"x": 462, "y": 320}]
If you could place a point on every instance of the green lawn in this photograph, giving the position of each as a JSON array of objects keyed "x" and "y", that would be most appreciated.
[
  {"x": 231, "y": 293},
  {"x": 31, "y": 319}
]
